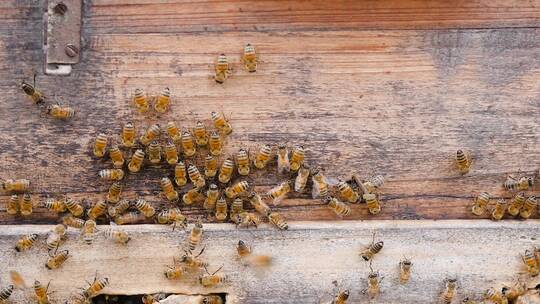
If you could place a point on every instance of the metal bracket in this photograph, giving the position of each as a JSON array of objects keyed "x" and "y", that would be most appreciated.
[{"x": 62, "y": 36}]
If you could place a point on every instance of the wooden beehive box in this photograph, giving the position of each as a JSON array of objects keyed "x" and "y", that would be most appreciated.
[{"x": 386, "y": 87}]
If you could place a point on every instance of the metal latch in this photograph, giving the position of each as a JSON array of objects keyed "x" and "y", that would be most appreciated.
[{"x": 62, "y": 36}]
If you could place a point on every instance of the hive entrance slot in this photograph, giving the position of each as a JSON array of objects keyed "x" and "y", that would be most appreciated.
[{"x": 137, "y": 299}]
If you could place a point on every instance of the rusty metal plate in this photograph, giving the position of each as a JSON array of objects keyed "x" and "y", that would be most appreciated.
[{"x": 63, "y": 31}]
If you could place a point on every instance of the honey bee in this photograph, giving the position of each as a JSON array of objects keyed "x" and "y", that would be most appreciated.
[
  {"x": 153, "y": 299},
  {"x": 222, "y": 70},
  {"x": 55, "y": 237},
  {"x": 60, "y": 112},
  {"x": 494, "y": 296},
  {"x": 283, "y": 163},
  {"x": 320, "y": 184},
  {"x": 30, "y": 90},
  {"x": 119, "y": 208},
  {"x": 253, "y": 260},
  {"x": 140, "y": 100},
  {"x": 221, "y": 124},
  {"x": 193, "y": 262},
  {"x": 480, "y": 203},
  {"x": 513, "y": 292},
  {"x": 201, "y": 136},
  {"x": 499, "y": 210},
  {"x": 16, "y": 185},
  {"x": 100, "y": 145},
  {"x": 192, "y": 196},
  {"x": 163, "y": 101},
  {"x": 297, "y": 158},
  {"x": 174, "y": 272},
  {"x": 118, "y": 235},
  {"x": 340, "y": 208},
  {"x": 278, "y": 193},
  {"x": 246, "y": 219},
  {"x": 242, "y": 162},
  {"x": 195, "y": 236},
  {"x": 277, "y": 220},
  {"x": 114, "y": 193},
  {"x": 145, "y": 208},
  {"x": 188, "y": 144},
  {"x": 529, "y": 259},
  {"x": 463, "y": 161},
  {"x": 26, "y": 242},
  {"x": 516, "y": 203},
  {"x": 154, "y": 153},
  {"x": 55, "y": 205},
  {"x": 57, "y": 259},
  {"x": 174, "y": 132},
  {"x": 12, "y": 206},
  {"x": 250, "y": 58},
  {"x": 347, "y": 193},
  {"x": 5, "y": 293},
  {"x": 173, "y": 216},
  {"x": 111, "y": 174},
  {"x": 212, "y": 280},
  {"x": 523, "y": 183},
  {"x": 369, "y": 252},
  {"x": 26, "y": 205},
  {"x": 212, "y": 300},
  {"x": 96, "y": 287},
  {"x": 237, "y": 189},
  {"x": 262, "y": 157},
  {"x": 374, "y": 281},
  {"x": 73, "y": 207},
  {"x": 171, "y": 153},
  {"x": 257, "y": 203},
  {"x": 341, "y": 297},
  {"x": 180, "y": 176},
  {"x": 528, "y": 207},
  {"x": 97, "y": 210},
  {"x": 128, "y": 135},
  {"x": 301, "y": 179},
  {"x": 237, "y": 206},
  {"x": 210, "y": 166},
  {"x": 195, "y": 176},
  {"x": 449, "y": 292},
  {"x": 129, "y": 218},
  {"x": 215, "y": 144},
  {"x": 152, "y": 133},
  {"x": 17, "y": 279},
  {"x": 226, "y": 171},
  {"x": 212, "y": 195},
  {"x": 405, "y": 266},
  {"x": 374, "y": 183},
  {"x": 41, "y": 292},
  {"x": 221, "y": 209},
  {"x": 71, "y": 221},
  {"x": 116, "y": 157},
  {"x": 88, "y": 231},
  {"x": 373, "y": 203},
  {"x": 168, "y": 190},
  {"x": 136, "y": 161}
]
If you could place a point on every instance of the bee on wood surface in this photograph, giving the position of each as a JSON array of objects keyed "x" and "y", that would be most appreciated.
[
  {"x": 463, "y": 161},
  {"x": 119, "y": 208},
  {"x": 278, "y": 220},
  {"x": 339, "y": 208},
  {"x": 222, "y": 70},
  {"x": 56, "y": 236},
  {"x": 480, "y": 203},
  {"x": 171, "y": 153},
  {"x": 57, "y": 259},
  {"x": 210, "y": 166},
  {"x": 128, "y": 135},
  {"x": 405, "y": 266},
  {"x": 192, "y": 196},
  {"x": 96, "y": 287},
  {"x": 215, "y": 144},
  {"x": 245, "y": 253},
  {"x": 73, "y": 207},
  {"x": 180, "y": 175},
  {"x": 12, "y": 205},
  {"x": 372, "y": 202},
  {"x": 141, "y": 101},
  {"x": 257, "y": 203},
  {"x": 168, "y": 189},
  {"x": 495, "y": 296},
  {"x": 136, "y": 161},
  {"x": 100, "y": 145},
  {"x": 529, "y": 259},
  {"x": 212, "y": 300},
  {"x": 195, "y": 236},
  {"x": 242, "y": 162},
  {"x": 152, "y": 133},
  {"x": 373, "y": 184},
  {"x": 297, "y": 158},
  {"x": 246, "y": 219},
  {"x": 226, "y": 171},
  {"x": 5, "y": 293},
  {"x": 374, "y": 281},
  {"x": 193, "y": 262},
  {"x": 163, "y": 101},
  {"x": 301, "y": 179},
  {"x": 118, "y": 235},
  {"x": 213, "y": 280},
  {"x": 174, "y": 132},
  {"x": 55, "y": 205},
  {"x": 369, "y": 252},
  {"x": 516, "y": 203},
  {"x": 212, "y": 195},
  {"x": 221, "y": 124},
  {"x": 33, "y": 94},
  {"x": 200, "y": 134},
  {"x": 175, "y": 272},
  {"x": 250, "y": 58},
  {"x": 528, "y": 207},
  {"x": 145, "y": 208},
  {"x": 113, "y": 196},
  {"x": 521, "y": 184},
  {"x": 41, "y": 292},
  {"x": 27, "y": 205},
  {"x": 111, "y": 174},
  {"x": 283, "y": 163},
  {"x": 17, "y": 279},
  {"x": 117, "y": 157},
  {"x": 449, "y": 293},
  {"x": 196, "y": 177},
  {"x": 60, "y": 112},
  {"x": 278, "y": 192},
  {"x": 129, "y": 218},
  {"x": 173, "y": 216},
  {"x": 188, "y": 144},
  {"x": 320, "y": 184},
  {"x": 99, "y": 209},
  {"x": 221, "y": 209},
  {"x": 513, "y": 292},
  {"x": 16, "y": 185},
  {"x": 154, "y": 152},
  {"x": 499, "y": 210},
  {"x": 71, "y": 221},
  {"x": 237, "y": 189},
  {"x": 26, "y": 242},
  {"x": 262, "y": 157},
  {"x": 88, "y": 231},
  {"x": 347, "y": 193}
]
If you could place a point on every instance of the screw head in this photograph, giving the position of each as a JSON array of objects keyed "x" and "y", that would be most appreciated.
[
  {"x": 60, "y": 8},
  {"x": 71, "y": 50}
]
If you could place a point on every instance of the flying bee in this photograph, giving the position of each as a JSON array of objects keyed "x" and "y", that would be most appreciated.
[
  {"x": 60, "y": 112},
  {"x": 215, "y": 144},
  {"x": 237, "y": 206},
  {"x": 111, "y": 174},
  {"x": 16, "y": 185},
  {"x": 152, "y": 133},
  {"x": 100, "y": 145},
  {"x": 73, "y": 207},
  {"x": 212, "y": 280},
  {"x": 262, "y": 157},
  {"x": 463, "y": 161},
  {"x": 221, "y": 209},
  {"x": 119, "y": 208},
  {"x": 41, "y": 292},
  {"x": 246, "y": 219},
  {"x": 226, "y": 171},
  {"x": 188, "y": 144},
  {"x": 212, "y": 195},
  {"x": 5, "y": 293},
  {"x": 97, "y": 210},
  {"x": 242, "y": 162},
  {"x": 210, "y": 166},
  {"x": 128, "y": 135},
  {"x": 499, "y": 210},
  {"x": 30, "y": 90},
  {"x": 340, "y": 208},
  {"x": 136, "y": 161},
  {"x": 374, "y": 280},
  {"x": 283, "y": 163},
  {"x": 212, "y": 300},
  {"x": 129, "y": 218},
  {"x": 516, "y": 203},
  {"x": 405, "y": 266},
  {"x": 113, "y": 196},
  {"x": 96, "y": 287},
  {"x": 71, "y": 221},
  {"x": 17, "y": 279},
  {"x": 480, "y": 203},
  {"x": 145, "y": 208},
  {"x": 449, "y": 293},
  {"x": 55, "y": 205},
  {"x": 57, "y": 259},
  {"x": 168, "y": 189},
  {"x": 154, "y": 152},
  {"x": 370, "y": 251},
  {"x": 118, "y": 235},
  {"x": 174, "y": 132},
  {"x": 221, "y": 69},
  {"x": 277, "y": 220},
  {"x": 140, "y": 100},
  {"x": 513, "y": 292},
  {"x": 301, "y": 179},
  {"x": 347, "y": 193},
  {"x": 374, "y": 183},
  {"x": 221, "y": 124},
  {"x": 117, "y": 157},
  {"x": 163, "y": 101},
  {"x": 27, "y": 205},
  {"x": 297, "y": 158},
  {"x": 12, "y": 206},
  {"x": 250, "y": 58},
  {"x": 278, "y": 192},
  {"x": 528, "y": 207},
  {"x": 26, "y": 242},
  {"x": 529, "y": 259},
  {"x": 88, "y": 231},
  {"x": 237, "y": 189},
  {"x": 195, "y": 176},
  {"x": 173, "y": 216},
  {"x": 257, "y": 203},
  {"x": 56, "y": 237},
  {"x": 320, "y": 184},
  {"x": 180, "y": 176},
  {"x": 192, "y": 196},
  {"x": 171, "y": 153},
  {"x": 174, "y": 272},
  {"x": 201, "y": 136},
  {"x": 195, "y": 236}
]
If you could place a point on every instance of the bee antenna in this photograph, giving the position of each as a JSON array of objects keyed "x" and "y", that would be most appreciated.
[
  {"x": 370, "y": 266},
  {"x": 217, "y": 270}
]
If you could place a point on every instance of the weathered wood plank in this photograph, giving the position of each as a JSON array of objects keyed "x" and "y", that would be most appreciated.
[{"x": 307, "y": 258}]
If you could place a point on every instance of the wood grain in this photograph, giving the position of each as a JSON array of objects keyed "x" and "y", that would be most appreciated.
[{"x": 307, "y": 258}]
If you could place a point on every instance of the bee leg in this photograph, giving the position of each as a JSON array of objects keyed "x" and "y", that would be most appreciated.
[{"x": 202, "y": 250}]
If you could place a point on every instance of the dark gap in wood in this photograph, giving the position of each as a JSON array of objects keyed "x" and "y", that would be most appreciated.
[{"x": 137, "y": 299}]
